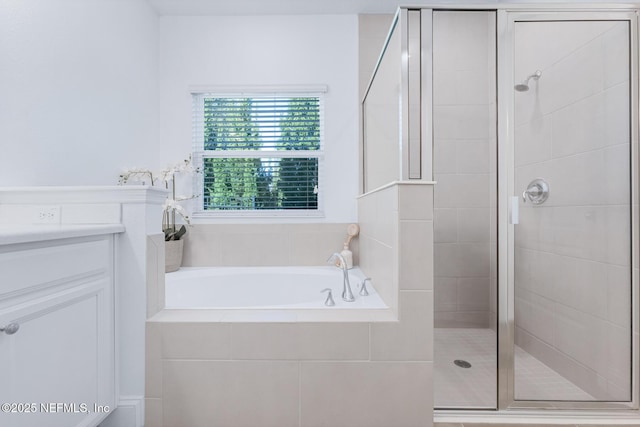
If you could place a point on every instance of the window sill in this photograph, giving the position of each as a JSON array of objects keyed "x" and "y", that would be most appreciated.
[{"x": 204, "y": 217}]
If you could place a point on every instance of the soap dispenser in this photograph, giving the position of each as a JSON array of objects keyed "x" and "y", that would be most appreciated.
[{"x": 347, "y": 255}]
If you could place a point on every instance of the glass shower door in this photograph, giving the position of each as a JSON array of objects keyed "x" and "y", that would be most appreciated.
[{"x": 572, "y": 239}]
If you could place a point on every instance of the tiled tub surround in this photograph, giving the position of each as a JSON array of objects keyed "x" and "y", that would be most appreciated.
[
  {"x": 239, "y": 245},
  {"x": 572, "y": 261},
  {"x": 464, "y": 154},
  {"x": 277, "y": 370}
]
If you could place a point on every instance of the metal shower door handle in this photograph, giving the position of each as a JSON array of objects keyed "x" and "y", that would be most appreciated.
[{"x": 537, "y": 192}]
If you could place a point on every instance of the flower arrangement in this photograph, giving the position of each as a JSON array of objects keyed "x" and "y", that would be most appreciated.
[{"x": 172, "y": 205}]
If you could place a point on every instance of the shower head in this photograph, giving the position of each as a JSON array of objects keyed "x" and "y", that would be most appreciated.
[{"x": 524, "y": 86}]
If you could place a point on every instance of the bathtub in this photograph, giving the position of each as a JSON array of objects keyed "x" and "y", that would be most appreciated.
[{"x": 264, "y": 288}]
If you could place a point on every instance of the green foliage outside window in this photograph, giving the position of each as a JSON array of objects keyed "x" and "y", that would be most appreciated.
[{"x": 272, "y": 181}]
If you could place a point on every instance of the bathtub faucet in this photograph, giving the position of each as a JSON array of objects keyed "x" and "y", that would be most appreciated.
[{"x": 347, "y": 295}]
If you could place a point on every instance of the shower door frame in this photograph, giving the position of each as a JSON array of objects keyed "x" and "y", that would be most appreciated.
[{"x": 506, "y": 21}]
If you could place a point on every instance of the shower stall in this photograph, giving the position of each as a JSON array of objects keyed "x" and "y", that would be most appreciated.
[{"x": 526, "y": 117}]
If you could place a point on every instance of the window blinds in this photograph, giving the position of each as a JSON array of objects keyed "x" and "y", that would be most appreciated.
[{"x": 258, "y": 152}]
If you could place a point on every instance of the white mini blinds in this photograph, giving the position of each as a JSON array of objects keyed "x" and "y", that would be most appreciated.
[{"x": 258, "y": 151}]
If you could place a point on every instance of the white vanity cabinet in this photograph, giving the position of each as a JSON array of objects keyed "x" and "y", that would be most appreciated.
[{"x": 57, "y": 355}]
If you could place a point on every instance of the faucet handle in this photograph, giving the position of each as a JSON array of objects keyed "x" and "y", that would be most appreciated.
[
  {"x": 329, "y": 302},
  {"x": 363, "y": 288}
]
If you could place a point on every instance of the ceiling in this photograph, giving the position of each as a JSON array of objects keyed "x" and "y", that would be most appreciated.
[
  {"x": 272, "y": 7},
  {"x": 314, "y": 7},
  {"x": 295, "y": 7}
]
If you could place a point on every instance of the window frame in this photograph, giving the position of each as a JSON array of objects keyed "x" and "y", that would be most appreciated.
[{"x": 198, "y": 94}]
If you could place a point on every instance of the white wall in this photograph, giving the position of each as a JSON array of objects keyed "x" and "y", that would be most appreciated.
[
  {"x": 267, "y": 50},
  {"x": 78, "y": 83}
]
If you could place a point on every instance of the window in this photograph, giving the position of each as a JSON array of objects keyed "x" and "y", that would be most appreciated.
[{"x": 258, "y": 152}]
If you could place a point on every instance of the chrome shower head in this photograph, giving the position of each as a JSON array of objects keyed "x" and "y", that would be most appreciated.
[{"x": 524, "y": 86}]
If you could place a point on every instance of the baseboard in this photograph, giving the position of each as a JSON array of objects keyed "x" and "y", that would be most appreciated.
[{"x": 129, "y": 413}]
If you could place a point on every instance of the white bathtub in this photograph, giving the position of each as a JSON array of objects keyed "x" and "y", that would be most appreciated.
[{"x": 264, "y": 288}]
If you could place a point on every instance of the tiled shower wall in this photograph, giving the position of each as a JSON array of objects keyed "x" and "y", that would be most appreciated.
[
  {"x": 572, "y": 255},
  {"x": 464, "y": 128}
]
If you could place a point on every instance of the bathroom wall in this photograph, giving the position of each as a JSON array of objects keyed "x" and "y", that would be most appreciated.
[
  {"x": 396, "y": 239},
  {"x": 79, "y": 90},
  {"x": 299, "y": 374},
  {"x": 259, "y": 51},
  {"x": 572, "y": 260},
  {"x": 213, "y": 245},
  {"x": 464, "y": 153}
]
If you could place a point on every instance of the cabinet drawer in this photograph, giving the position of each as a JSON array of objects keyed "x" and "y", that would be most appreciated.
[
  {"x": 31, "y": 267},
  {"x": 62, "y": 352}
]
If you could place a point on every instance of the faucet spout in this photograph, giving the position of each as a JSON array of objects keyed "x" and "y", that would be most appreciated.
[{"x": 347, "y": 295}]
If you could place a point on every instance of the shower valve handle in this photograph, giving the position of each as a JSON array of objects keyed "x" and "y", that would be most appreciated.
[
  {"x": 537, "y": 192},
  {"x": 10, "y": 329}
]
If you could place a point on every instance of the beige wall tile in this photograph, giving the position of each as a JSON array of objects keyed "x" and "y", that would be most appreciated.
[
  {"x": 473, "y": 294},
  {"x": 412, "y": 337},
  {"x": 268, "y": 341},
  {"x": 618, "y": 283},
  {"x": 313, "y": 244},
  {"x": 197, "y": 340},
  {"x": 462, "y": 319},
  {"x": 379, "y": 262},
  {"x": 416, "y": 255},
  {"x": 203, "y": 246},
  {"x": 153, "y": 360},
  {"x": 155, "y": 273},
  {"x": 446, "y": 294},
  {"x": 386, "y": 224},
  {"x": 232, "y": 393},
  {"x": 472, "y": 157},
  {"x": 464, "y": 92},
  {"x": 445, "y": 225},
  {"x": 534, "y": 141},
  {"x": 268, "y": 245},
  {"x": 473, "y": 225},
  {"x": 153, "y": 412},
  {"x": 264, "y": 244},
  {"x": 372, "y": 394},
  {"x": 415, "y": 201},
  {"x": 462, "y": 260},
  {"x": 333, "y": 341},
  {"x": 445, "y": 151}
]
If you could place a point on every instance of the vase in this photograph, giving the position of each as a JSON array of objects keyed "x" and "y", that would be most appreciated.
[{"x": 173, "y": 255}]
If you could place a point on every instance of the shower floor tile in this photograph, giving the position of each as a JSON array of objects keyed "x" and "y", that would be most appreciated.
[{"x": 476, "y": 386}]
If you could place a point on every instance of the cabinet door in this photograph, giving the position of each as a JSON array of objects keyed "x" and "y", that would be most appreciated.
[{"x": 54, "y": 366}]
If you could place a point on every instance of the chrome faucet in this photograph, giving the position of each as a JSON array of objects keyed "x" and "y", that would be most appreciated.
[{"x": 347, "y": 295}]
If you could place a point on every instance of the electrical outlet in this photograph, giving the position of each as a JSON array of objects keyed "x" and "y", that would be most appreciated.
[{"x": 48, "y": 215}]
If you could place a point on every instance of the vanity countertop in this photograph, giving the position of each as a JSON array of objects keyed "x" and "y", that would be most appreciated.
[{"x": 26, "y": 233}]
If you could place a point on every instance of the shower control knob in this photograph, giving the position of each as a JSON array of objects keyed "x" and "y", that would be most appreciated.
[
  {"x": 537, "y": 192},
  {"x": 10, "y": 329}
]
